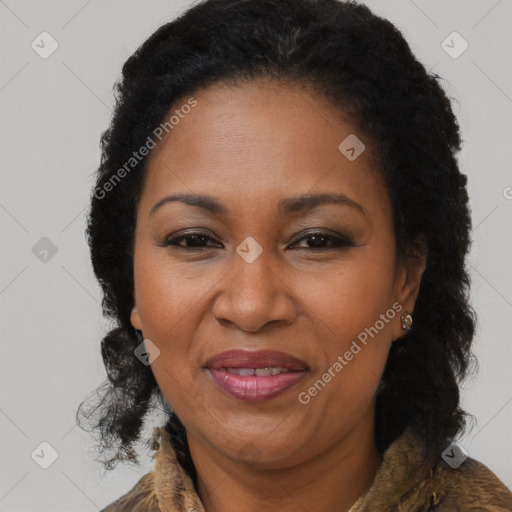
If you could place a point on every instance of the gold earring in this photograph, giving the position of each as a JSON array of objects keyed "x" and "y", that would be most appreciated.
[{"x": 406, "y": 322}]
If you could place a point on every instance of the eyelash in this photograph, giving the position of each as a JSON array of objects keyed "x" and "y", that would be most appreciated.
[{"x": 339, "y": 242}]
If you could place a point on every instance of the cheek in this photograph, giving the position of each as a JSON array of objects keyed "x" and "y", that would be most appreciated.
[
  {"x": 351, "y": 309},
  {"x": 350, "y": 297},
  {"x": 164, "y": 306},
  {"x": 168, "y": 294}
]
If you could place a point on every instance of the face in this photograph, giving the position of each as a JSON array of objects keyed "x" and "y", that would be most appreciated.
[{"x": 254, "y": 268}]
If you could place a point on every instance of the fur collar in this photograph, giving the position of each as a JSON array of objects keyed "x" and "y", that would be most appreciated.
[{"x": 403, "y": 483}]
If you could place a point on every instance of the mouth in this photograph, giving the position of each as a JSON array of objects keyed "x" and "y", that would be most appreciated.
[{"x": 255, "y": 376}]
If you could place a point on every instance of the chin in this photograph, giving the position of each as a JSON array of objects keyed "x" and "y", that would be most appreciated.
[{"x": 266, "y": 451}]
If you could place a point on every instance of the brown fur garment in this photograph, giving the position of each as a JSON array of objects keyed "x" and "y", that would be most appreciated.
[{"x": 402, "y": 484}]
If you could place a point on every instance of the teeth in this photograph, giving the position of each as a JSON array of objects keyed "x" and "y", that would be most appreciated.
[
  {"x": 260, "y": 372},
  {"x": 241, "y": 371},
  {"x": 264, "y": 372}
]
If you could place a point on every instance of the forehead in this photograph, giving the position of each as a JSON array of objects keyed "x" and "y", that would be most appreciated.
[{"x": 262, "y": 140}]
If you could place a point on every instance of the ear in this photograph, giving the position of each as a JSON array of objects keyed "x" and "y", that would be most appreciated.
[
  {"x": 135, "y": 318},
  {"x": 408, "y": 281}
]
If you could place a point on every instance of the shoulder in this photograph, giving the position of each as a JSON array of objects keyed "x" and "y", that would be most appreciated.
[
  {"x": 470, "y": 486},
  {"x": 407, "y": 480},
  {"x": 141, "y": 498}
]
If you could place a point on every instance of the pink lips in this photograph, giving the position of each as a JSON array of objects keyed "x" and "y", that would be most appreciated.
[{"x": 253, "y": 387}]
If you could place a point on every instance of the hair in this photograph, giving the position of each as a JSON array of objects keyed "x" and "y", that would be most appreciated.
[{"x": 361, "y": 63}]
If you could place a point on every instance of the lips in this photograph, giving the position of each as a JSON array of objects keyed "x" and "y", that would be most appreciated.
[
  {"x": 259, "y": 359},
  {"x": 255, "y": 376}
]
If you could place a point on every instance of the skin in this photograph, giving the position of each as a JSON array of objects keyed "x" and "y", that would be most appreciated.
[{"x": 250, "y": 146}]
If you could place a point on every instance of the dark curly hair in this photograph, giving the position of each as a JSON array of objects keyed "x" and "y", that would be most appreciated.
[{"x": 361, "y": 63}]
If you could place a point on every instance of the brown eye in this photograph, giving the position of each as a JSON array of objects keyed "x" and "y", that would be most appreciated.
[
  {"x": 320, "y": 240},
  {"x": 192, "y": 241}
]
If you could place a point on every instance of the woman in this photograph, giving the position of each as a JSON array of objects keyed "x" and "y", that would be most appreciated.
[{"x": 280, "y": 229}]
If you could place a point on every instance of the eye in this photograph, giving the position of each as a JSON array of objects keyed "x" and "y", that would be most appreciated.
[
  {"x": 319, "y": 239},
  {"x": 195, "y": 240}
]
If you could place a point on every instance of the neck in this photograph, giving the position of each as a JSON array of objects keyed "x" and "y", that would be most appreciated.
[{"x": 332, "y": 481}]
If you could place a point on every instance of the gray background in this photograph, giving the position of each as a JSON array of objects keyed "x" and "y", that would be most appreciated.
[{"x": 53, "y": 111}]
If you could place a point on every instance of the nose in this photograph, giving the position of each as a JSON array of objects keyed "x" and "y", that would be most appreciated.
[{"x": 255, "y": 294}]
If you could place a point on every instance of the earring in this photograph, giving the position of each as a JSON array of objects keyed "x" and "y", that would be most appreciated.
[{"x": 406, "y": 322}]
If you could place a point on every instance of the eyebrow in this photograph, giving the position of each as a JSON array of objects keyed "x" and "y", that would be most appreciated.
[{"x": 286, "y": 206}]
